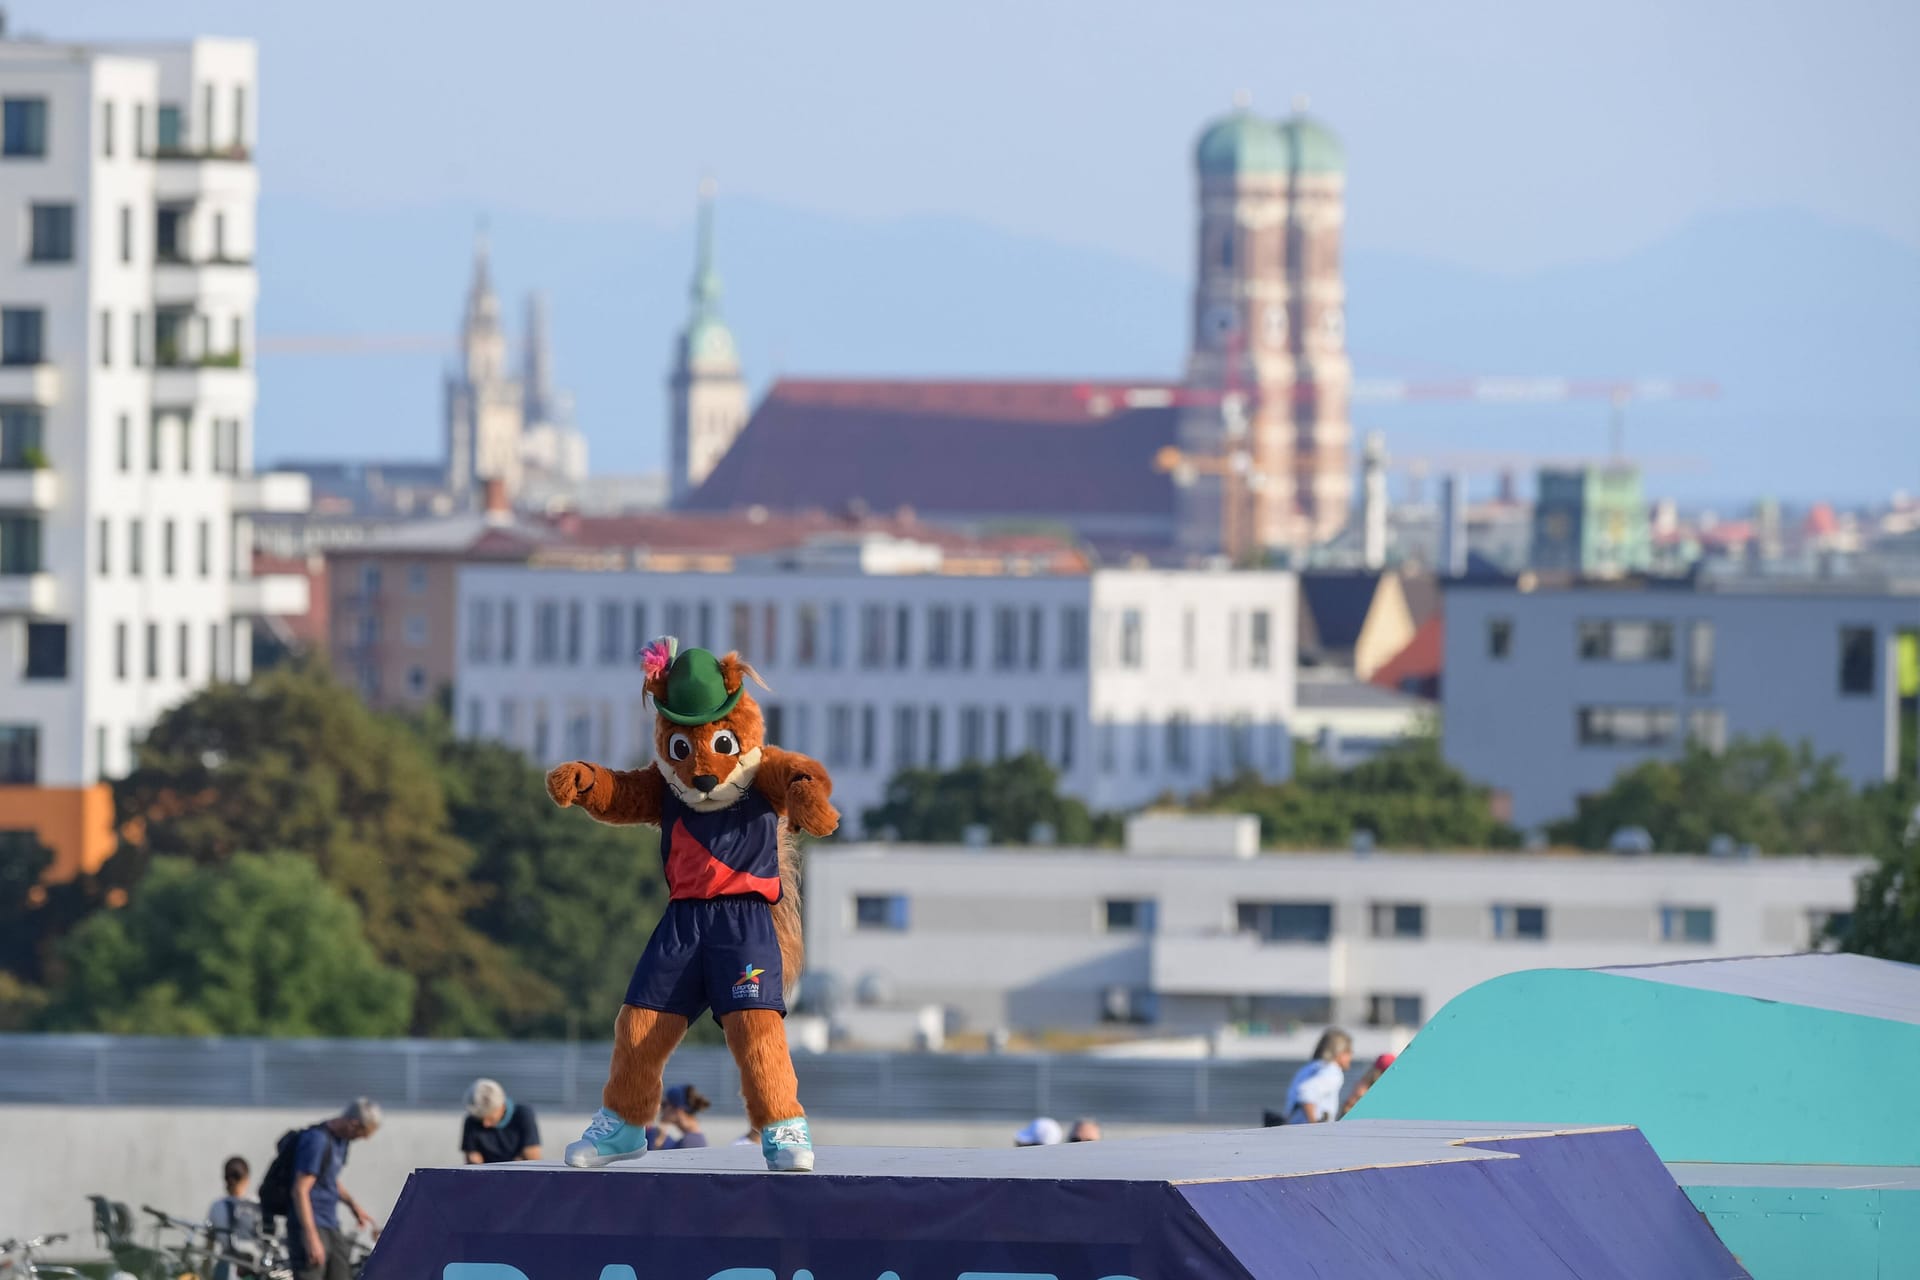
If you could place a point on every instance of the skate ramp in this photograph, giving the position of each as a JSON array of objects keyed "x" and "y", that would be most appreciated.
[
  {"x": 1777, "y": 1089},
  {"x": 1355, "y": 1200}
]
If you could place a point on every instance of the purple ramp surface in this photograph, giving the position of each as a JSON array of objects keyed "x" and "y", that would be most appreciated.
[{"x": 1592, "y": 1205}]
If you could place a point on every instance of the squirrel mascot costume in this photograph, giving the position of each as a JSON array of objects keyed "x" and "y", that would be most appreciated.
[{"x": 725, "y": 802}]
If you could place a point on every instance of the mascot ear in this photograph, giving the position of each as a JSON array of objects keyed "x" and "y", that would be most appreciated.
[{"x": 736, "y": 671}]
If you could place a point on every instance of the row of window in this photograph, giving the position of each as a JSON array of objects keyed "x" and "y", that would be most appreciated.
[
  {"x": 367, "y": 632},
  {"x": 182, "y": 338},
  {"x": 166, "y": 649},
  {"x": 24, "y": 126},
  {"x": 1649, "y": 726},
  {"x": 1652, "y": 640},
  {"x": 1268, "y": 1012},
  {"x": 1312, "y": 922},
  {"x": 170, "y": 547},
  {"x": 373, "y": 579}
]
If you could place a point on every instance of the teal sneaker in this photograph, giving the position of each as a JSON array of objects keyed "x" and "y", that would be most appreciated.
[
  {"x": 608, "y": 1138},
  {"x": 787, "y": 1145}
]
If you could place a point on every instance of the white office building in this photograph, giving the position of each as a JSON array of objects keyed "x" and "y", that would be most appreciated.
[
  {"x": 883, "y": 657},
  {"x": 1187, "y": 932},
  {"x": 126, "y": 410},
  {"x": 1550, "y": 693}
]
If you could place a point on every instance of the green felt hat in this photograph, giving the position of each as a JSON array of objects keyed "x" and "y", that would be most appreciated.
[{"x": 696, "y": 691}]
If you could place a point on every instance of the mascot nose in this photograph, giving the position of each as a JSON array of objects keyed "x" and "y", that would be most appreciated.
[{"x": 705, "y": 782}]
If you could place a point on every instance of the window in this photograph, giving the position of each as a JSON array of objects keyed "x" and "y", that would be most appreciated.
[
  {"x": 153, "y": 651},
  {"x": 104, "y": 538},
  {"x": 172, "y": 129},
  {"x": 213, "y": 651},
  {"x": 880, "y": 912},
  {"x": 240, "y": 116},
  {"x": 576, "y": 623},
  {"x": 612, "y": 642},
  {"x": 1000, "y": 733},
  {"x": 509, "y": 630},
  {"x": 1108, "y": 746},
  {"x": 902, "y": 637},
  {"x": 120, "y": 650},
  {"x": 1700, "y": 657},
  {"x": 1500, "y": 638},
  {"x": 166, "y": 548},
  {"x": 204, "y": 549},
  {"x": 1280, "y": 1012},
  {"x": 770, "y": 627},
  {"x": 369, "y": 579},
  {"x": 106, "y": 129},
  {"x": 139, "y": 339},
  {"x": 21, "y": 329},
  {"x": 19, "y": 754},
  {"x": 1687, "y": 924},
  {"x": 155, "y": 427},
  {"x": 22, "y": 438},
  {"x": 934, "y": 734},
  {"x": 124, "y": 444},
  {"x": 1707, "y": 727},
  {"x": 1129, "y": 915},
  {"x": 183, "y": 644},
  {"x": 1286, "y": 921},
  {"x": 869, "y": 735},
  {"x": 52, "y": 233},
  {"x": 23, "y": 127},
  {"x": 1179, "y": 744},
  {"x": 1510, "y": 921},
  {"x": 1130, "y": 640},
  {"x": 1260, "y": 640},
  {"x": 939, "y": 636},
  {"x": 1626, "y": 726},
  {"x": 806, "y": 635},
  {"x": 479, "y": 631},
  {"x": 1006, "y": 638},
  {"x": 906, "y": 725},
  {"x": 220, "y": 241},
  {"x": 1612, "y": 640},
  {"x": 839, "y": 734},
  {"x": 1073, "y": 638},
  {"x": 1040, "y": 732},
  {"x": 973, "y": 734},
  {"x": 126, "y": 233},
  {"x": 1393, "y": 1011},
  {"x": 541, "y": 730},
  {"x": 206, "y": 117},
  {"x": 836, "y": 636},
  {"x": 417, "y": 685},
  {"x": 966, "y": 637},
  {"x": 369, "y": 629},
  {"x": 1189, "y": 639},
  {"x": 1134, "y": 1006},
  {"x": 416, "y": 579},
  {"x": 135, "y": 541},
  {"x": 20, "y": 544},
  {"x": 546, "y": 633},
  {"x": 1035, "y": 630},
  {"x": 1856, "y": 660},
  {"x": 416, "y": 630},
  {"x": 1398, "y": 920},
  {"x": 1143, "y": 746},
  {"x": 1067, "y": 721},
  {"x": 873, "y": 635},
  {"x": 139, "y": 128},
  {"x": 46, "y": 651}
]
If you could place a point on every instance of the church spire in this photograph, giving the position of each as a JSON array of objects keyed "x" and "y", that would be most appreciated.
[
  {"x": 706, "y": 281},
  {"x": 536, "y": 377}
]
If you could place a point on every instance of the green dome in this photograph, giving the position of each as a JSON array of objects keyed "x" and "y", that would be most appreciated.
[
  {"x": 1314, "y": 147},
  {"x": 1242, "y": 143}
]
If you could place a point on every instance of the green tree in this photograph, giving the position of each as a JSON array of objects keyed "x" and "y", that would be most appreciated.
[
  {"x": 1763, "y": 792},
  {"x": 1010, "y": 797},
  {"x": 573, "y": 900},
  {"x": 293, "y": 761},
  {"x": 261, "y": 945},
  {"x": 1407, "y": 797},
  {"x": 1886, "y": 912}
]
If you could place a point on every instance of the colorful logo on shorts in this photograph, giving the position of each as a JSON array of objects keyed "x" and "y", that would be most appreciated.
[{"x": 747, "y": 985}]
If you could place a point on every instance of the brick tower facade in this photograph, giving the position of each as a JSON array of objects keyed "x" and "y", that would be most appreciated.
[{"x": 1264, "y": 429}]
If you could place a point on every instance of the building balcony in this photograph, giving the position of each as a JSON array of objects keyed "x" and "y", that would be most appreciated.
[
  {"x": 29, "y": 489},
  {"x": 183, "y": 283},
  {"x": 186, "y": 381},
  {"x": 1242, "y": 964},
  {"x": 272, "y": 493},
  {"x": 29, "y": 384},
  {"x": 273, "y": 595},
  {"x": 182, "y": 175},
  {"x": 30, "y": 594}
]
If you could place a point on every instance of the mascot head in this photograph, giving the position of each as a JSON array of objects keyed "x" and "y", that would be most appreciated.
[{"x": 707, "y": 730}]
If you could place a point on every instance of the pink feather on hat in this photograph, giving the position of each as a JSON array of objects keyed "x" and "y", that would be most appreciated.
[{"x": 658, "y": 656}]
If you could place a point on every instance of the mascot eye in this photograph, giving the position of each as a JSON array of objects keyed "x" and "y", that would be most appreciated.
[
  {"x": 679, "y": 746},
  {"x": 726, "y": 744}
]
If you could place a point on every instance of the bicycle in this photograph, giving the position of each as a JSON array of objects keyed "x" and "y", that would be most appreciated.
[{"x": 17, "y": 1261}]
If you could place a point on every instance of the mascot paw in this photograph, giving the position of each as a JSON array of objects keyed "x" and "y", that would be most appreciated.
[
  {"x": 810, "y": 810},
  {"x": 569, "y": 783}
]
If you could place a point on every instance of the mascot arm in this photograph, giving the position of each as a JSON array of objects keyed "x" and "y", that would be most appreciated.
[
  {"x": 619, "y": 797},
  {"x": 799, "y": 789}
]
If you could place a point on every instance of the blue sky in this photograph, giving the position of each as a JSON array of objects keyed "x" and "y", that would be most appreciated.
[{"x": 1505, "y": 136}]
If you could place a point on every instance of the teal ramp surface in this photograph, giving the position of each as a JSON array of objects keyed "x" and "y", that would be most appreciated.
[{"x": 1779, "y": 1089}]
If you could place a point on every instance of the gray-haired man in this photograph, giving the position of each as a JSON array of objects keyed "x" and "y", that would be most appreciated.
[{"x": 319, "y": 1252}]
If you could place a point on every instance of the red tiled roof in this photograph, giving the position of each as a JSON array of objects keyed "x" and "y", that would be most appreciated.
[
  {"x": 1417, "y": 667},
  {"x": 972, "y": 449}
]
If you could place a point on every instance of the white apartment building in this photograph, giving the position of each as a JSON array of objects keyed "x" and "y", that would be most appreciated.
[
  {"x": 127, "y": 295},
  {"x": 1550, "y": 693},
  {"x": 1180, "y": 942},
  {"x": 1133, "y": 683}
]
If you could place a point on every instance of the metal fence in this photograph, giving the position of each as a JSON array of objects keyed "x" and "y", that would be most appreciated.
[{"x": 434, "y": 1074}]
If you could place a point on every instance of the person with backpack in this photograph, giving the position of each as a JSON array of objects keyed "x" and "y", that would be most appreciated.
[
  {"x": 303, "y": 1186},
  {"x": 234, "y": 1221}
]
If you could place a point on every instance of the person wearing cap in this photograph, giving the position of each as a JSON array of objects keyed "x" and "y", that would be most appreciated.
[
  {"x": 679, "y": 1127},
  {"x": 1374, "y": 1072},
  {"x": 1314, "y": 1094},
  {"x": 1044, "y": 1131},
  {"x": 497, "y": 1129}
]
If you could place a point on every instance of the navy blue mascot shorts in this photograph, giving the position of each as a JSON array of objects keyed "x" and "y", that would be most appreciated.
[{"x": 711, "y": 953}]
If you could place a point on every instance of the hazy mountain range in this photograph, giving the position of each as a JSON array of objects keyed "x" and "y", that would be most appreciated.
[{"x": 1811, "y": 329}]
